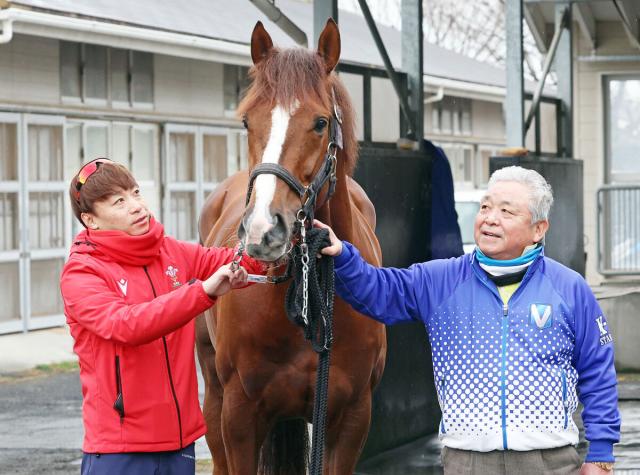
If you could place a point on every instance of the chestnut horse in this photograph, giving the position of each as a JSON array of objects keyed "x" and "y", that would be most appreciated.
[{"x": 258, "y": 368}]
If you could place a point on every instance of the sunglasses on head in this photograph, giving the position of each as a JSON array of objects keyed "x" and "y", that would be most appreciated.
[{"x": 86, "y": 171}]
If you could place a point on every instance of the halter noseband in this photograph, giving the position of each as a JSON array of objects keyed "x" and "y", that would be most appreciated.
[{"x": 308, "y": 194}]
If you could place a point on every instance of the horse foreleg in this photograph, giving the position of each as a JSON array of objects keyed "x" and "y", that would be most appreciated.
[
  {"x": 243, "y": 429},
  {"x": 346, "y": 437},
  {"x": 212, "y": 408}
]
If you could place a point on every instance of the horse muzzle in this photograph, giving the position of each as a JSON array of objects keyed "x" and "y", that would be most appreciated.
[{"x": 264, "y": 239}]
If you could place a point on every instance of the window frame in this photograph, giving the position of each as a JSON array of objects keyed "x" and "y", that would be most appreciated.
[
  {"x": 609, "y": 177},
  {"x": 131, "y": 102}
]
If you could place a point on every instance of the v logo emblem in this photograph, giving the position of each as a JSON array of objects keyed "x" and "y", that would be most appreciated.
[
  {"x": 122, "y": 283},
  {"x": 544, "y": 320}
]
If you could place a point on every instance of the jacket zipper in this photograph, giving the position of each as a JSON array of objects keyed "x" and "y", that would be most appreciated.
[
  {"x": 166, "y": 355},
  {"x": 565, "y": 402},
  {"x": 505, "y": 334},
  {"x": 503, "y": 373},
  {"x": 118, "y": 405},
  {"x": 443, "y": 391}
]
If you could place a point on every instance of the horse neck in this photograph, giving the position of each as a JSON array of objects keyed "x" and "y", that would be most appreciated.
[{"x": 337, "y": 212}]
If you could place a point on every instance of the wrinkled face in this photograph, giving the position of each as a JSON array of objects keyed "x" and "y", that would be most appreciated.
[
  {"x": 503, "y": 225},
  {"x": 125, "y": 210},
  {"x": 296, "y": 138}
]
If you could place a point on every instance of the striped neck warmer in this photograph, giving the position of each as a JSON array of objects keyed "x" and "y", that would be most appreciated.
[{"x": 497, "y": 267}]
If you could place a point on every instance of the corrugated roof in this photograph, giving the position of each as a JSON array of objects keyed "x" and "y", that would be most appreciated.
[{"x": 234, "y": 20}]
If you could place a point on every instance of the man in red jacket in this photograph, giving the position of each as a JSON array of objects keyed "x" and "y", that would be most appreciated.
[{"x": 130, "y": 295}]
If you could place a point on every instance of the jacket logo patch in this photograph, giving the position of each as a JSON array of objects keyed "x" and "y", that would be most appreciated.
[
  {"x": 122, "y": 283},
  {"x": 172, "y": 272},
  {"x": 605, "y": 336},
  {"x": 541, "y": 315}
]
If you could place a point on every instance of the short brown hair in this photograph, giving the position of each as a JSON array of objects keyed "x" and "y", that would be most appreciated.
[{"x": 104, "y": 182}]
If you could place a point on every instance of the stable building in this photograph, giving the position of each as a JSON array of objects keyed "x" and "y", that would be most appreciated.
[{"x": 155, "y": 87}]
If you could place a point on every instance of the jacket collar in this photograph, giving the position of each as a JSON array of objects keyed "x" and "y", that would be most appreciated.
[{"x": 120, "y": 247}]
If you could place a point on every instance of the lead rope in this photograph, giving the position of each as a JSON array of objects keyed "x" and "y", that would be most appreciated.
[{"x": 309, "y": 304}]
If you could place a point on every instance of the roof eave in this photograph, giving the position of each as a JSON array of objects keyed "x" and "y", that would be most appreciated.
[{"x": 63, "y": 27}]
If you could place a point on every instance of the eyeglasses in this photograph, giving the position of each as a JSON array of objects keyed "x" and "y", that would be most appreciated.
[{"x": 86, "y": 171}]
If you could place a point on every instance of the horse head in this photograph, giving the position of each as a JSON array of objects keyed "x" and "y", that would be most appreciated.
[{"x": 292, "y": 116}]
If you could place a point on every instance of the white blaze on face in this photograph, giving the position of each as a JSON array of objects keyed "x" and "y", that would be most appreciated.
[{"x": 261, "y": 221}]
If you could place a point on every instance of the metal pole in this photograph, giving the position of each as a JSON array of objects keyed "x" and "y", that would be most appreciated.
[
  {"x": 275, "y": 15},
  {"x": 514, "y": 101},
  {"x": 322, "y": 11},
  {"x": 412, "y": 59},
  {"x": 564, "y": 71},
  {"x": 548, "y": 60},
  {"x": 404, "y": 105},
  {"x": 366, "y": 97}
]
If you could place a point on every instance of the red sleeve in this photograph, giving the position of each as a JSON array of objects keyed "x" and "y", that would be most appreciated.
[
  {"x": 209, "y": 259},
  {"x": 89, "y": 301}
]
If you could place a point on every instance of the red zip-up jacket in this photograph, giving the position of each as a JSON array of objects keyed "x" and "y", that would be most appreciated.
[{"x": 130, "y": 303}]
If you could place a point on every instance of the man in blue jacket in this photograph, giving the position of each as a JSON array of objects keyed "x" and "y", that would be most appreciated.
[{"x": 517, "y": 339}]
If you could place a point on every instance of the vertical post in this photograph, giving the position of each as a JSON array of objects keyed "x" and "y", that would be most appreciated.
[
  {"x": 537, "y": 130},
  {"x": 564, "y": 72},
  {"x": 412, "y": 59},
  {"x": 514, "y": 102},
  {"x": 322, "y": 10},
  {"x": 366, "y": 97}
]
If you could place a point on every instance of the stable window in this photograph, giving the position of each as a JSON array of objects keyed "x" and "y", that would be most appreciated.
[
  {"x": 452, "y": 116},
  {"x": 141, "y": 77},
  {"x": 95, "y": 73},
  {"x": 46, "y": 219},
  {"x": 622, "y": 129},
  {"x": 198, "y": 159},
  {"x": 70, "y": 70},
  {"x": 461, "y": 161},
  {"x": 119, "y": 66},
  {"x": 618, "y": 219},
  {"x": 8, "y": 186},
  {"x": 105, "y": 76}
]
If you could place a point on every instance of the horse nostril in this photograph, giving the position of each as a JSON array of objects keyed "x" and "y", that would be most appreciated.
[
  {"x": 279, "y": 230},
  {"x": 277, "y": 235}
]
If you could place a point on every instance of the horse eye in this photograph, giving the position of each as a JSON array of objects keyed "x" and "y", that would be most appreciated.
[{"x": 321, "y": 123}]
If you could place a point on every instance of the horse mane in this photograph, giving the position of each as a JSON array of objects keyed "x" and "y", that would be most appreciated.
[{"x": 298, "y": 74}]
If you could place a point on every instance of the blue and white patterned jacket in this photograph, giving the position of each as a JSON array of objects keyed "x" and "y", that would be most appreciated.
[{"x": 507, "y": 376}]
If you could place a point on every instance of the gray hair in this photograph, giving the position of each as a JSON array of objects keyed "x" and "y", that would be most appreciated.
[{"x": 540, "y": 193}]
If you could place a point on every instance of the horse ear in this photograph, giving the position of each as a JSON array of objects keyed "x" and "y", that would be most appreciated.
[
  {"x": 261, "y": 43},
  {"x": 329, "y": 45}
]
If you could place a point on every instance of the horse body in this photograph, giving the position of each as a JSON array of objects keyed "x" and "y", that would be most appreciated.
[{"x": 259, "y": 370}]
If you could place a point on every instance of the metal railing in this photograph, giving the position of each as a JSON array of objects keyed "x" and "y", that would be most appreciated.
[
  {"x": 618, "y": 229},
  {"x": 367, "y": 73}
]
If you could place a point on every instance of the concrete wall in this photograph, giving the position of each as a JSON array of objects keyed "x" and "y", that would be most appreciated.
[
  {"x": 620, "y": 312},
  {"x": 487, "y": 122},
  {"x": 29, "y": 71},
  {"x": 589, "y": 139},
  {"x": 188, "y": 87}
]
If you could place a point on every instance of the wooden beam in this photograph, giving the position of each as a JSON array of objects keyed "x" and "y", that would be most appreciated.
[
  {"x": 584, "y": 16},
  {"x": 630, "y": 20},
  {"x": 537, "y": 25}
]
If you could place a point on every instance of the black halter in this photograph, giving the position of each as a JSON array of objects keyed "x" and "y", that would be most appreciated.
[{"x": 308, "y": 194}]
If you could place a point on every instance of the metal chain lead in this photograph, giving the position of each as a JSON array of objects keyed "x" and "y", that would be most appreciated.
[
  {"x": 235, "y": 263},
  {"x": 305, "y": 267}
]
